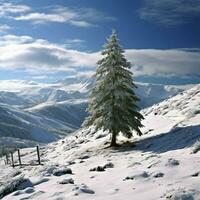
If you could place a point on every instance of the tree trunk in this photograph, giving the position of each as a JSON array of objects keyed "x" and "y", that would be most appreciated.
[{"x": 113, "y": 140}]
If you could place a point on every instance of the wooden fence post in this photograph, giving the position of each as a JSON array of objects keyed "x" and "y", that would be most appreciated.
[
  {"x": 12, "y": 160},
  {"x": 19, "y": 157},
  {"x": 38, "y": 154}
]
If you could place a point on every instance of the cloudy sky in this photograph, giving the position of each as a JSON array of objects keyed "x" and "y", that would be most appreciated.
[{"x": 46, "y": 40}]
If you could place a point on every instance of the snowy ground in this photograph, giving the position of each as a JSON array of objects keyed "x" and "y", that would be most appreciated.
[{"x": 162, "y": 164}]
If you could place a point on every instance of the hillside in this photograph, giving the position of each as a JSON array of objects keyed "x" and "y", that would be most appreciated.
[{"x": 154, "y": 166}]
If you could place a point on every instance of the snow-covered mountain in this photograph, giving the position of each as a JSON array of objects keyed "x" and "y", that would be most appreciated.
[
  {"x": 161, "y": 164},
  {"x": 45, "y": 112},
  {"x": 39, "y": 112},
  {"x": 20, "y": 124},
  {"x": 27, "y": 94}
]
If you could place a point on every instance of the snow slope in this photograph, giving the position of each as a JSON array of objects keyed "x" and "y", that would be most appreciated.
[{"x": 162, "y": 164}]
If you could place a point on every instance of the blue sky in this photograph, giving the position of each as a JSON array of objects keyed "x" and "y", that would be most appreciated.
[{"x": 49, "y": 40}]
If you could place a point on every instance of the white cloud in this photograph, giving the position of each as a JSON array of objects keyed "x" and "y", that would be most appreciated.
[
  {"x": 84, "y": 17},
  {"x": 22, "y": 52},
  {"x": 9, "y": 8},
  {"x": 13, "y": 39},
  {"x": 80, "y": 17},
  {"x": 36, "y": 56},
  {"x": 51, "y": 17},
  {"x": 170, "y": 12},
  {"x": 4, "y": 28},
  {"x": 80, "y": 23},
  {"x": 166, "y": 63},
  {"x": 75, "y": 40}
]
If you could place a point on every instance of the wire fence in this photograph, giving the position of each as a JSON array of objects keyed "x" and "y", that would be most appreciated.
[{"x": 20, "y": 157}]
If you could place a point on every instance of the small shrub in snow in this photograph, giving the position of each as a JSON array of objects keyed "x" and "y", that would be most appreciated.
[
  {"x": 66, "y": 181},
  {"x": 84, "y": 157},
  {"x": 158, "y": 175},
  {"x": 137, "y": 176},
  {"x": 102, "y": 168},
  {"x": 195, "y": 174},
  {"x": 108, "y": 165},
  {"x": 98, "y": 169},
  {"x": 172, "y": 162},
  {"x": 62, "y": 171},
  {"x": 71, "y": 162}
]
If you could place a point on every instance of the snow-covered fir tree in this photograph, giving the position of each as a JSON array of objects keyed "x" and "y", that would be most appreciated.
[{"x": 113, "y": 103}]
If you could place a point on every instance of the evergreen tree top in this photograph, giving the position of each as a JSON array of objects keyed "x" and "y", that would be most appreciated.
[{"x": 112, "y": 43}]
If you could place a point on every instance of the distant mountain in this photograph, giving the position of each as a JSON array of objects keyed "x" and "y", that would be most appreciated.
[
  {"x": 46, "y": 112},
  {"x": 153, "y": 93},
  {"x": 20, "y": 124}
]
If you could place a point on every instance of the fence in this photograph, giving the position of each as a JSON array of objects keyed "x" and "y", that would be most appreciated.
[{"x": 9, "y": 158}]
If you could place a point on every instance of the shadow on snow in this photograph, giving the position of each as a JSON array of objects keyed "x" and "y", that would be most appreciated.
[{"x": 176, "y": 138}]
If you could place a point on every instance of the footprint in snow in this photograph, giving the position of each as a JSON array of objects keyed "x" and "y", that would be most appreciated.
[{"x": 28, "y": 190}]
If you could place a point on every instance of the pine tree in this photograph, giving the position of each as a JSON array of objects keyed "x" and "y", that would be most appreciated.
[{"x": 113, "y": 102}]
